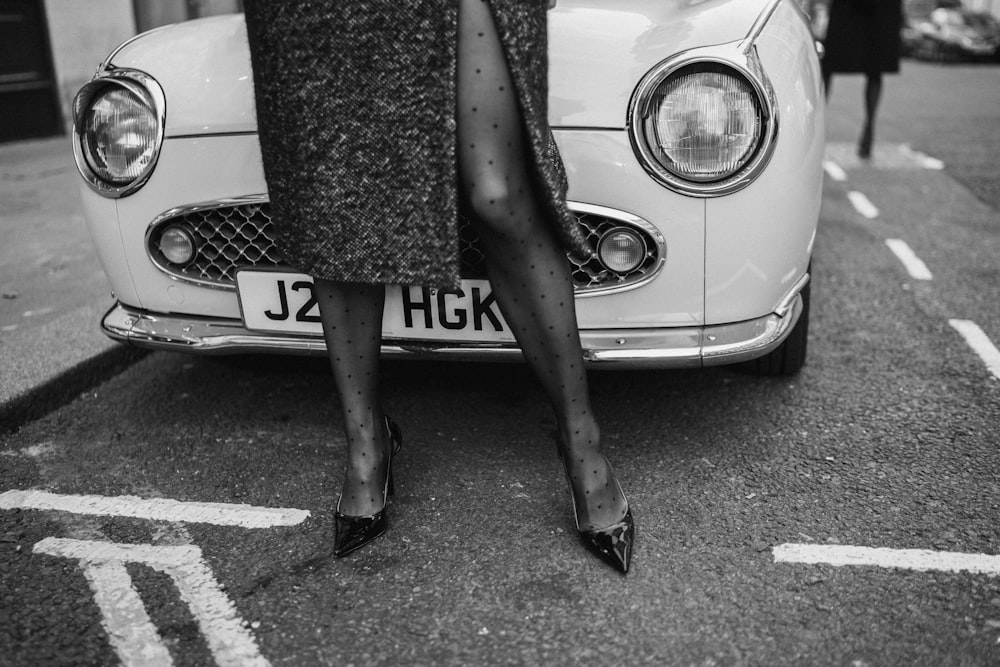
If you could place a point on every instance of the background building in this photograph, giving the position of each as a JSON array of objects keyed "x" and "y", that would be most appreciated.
[{"x": 49, "y": 48}]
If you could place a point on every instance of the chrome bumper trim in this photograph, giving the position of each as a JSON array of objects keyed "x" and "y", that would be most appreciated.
[{"x": 678, "y": 347}]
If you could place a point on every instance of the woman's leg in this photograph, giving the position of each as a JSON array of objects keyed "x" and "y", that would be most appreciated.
[
  {"x": 527, "y": 268},
  {"x": 352, "y": 326},
  {"x": 873, "y": 93}
]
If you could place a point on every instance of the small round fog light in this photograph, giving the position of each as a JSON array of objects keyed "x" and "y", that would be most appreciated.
[
  {"x": 177, "y": 245},
  {"x": 621, "y": 250}
]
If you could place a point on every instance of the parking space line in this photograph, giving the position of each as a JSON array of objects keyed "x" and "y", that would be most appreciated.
[
  {"x": 157, "y": 509},
  {"x": 129, "y": 628},
  {"x": 907, "y": 559},
  {"x": 913, "y": 264},
  {"x": 229, "y": 640},
  {"x": 834, "y": 171},
  {"x": 980, "y": 344},
  {"x": 862, "y": 204}
]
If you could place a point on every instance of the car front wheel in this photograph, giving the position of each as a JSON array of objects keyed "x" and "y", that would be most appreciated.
[{"x": 789, "y": 357}]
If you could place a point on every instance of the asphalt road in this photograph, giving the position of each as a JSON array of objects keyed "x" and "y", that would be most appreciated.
[
  {"x": 887, "y": 439},
  {"x": 47, "y": 264},
  {"x": 52, "y": 289}
]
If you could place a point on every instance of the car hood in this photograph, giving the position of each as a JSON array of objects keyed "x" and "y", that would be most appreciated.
[
  {"x": 600, "y": 50},
  {"x": 598, "y": 53}
]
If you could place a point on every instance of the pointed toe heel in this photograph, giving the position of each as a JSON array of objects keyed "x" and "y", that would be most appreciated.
[
  {"x": 614, "y": 543},
  {"x": 354, "y": 532}
]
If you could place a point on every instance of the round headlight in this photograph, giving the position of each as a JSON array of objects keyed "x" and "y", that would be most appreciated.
[
  {"x": 704, "y": 123},
  {"x": 621, "y": 250},
  {"x": 119, "y": 135},
  {"x": 118, "y": 129},
  {"x": 177, "y": 245}
]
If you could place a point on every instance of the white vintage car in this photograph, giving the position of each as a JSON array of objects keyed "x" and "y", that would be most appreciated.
[{"x": 692, "y": 132}]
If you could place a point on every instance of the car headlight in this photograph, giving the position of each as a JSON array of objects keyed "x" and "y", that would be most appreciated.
[
  {"x": 118, "y": 130},
  {"x": 703, "y": 125}
]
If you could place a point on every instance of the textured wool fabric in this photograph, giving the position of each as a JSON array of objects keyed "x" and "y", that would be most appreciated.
[
  {"x": 863, "y": 36},
  {"x": 356, "y": 119}
]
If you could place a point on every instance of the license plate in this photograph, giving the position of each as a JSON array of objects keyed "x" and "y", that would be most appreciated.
[{"x": 279, "y": 302}]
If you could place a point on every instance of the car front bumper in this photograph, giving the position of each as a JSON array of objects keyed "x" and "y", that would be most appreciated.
[{"x": 675, "y": 347}]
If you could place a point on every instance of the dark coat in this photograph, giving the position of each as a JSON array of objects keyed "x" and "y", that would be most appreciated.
[
  {"x": 863, "y": 36},
  {"x": 356, "y": 118}
]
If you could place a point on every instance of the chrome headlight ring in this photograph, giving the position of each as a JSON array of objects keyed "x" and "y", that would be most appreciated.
[
  {"x": 742, "y": 65},
  {"x": 118, "y": 127}
]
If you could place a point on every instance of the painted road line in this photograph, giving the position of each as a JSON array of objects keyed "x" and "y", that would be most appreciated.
[
  {"x": 980, "y": 343},
  {"x": 834, "y": 171},
  {"x": 157, "y": 509},
  {"x": 862, "y": 204},
  {"x": 924, "y": 160},
  {"x": 128, "y": 625},
  {"x": 914, "y": 266},
  {"x": 123, "y": 616},
  {"x": 906, "y": 559}
]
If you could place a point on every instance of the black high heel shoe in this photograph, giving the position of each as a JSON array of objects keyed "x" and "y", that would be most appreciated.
[
  {"x": 865, "y": 143},
  {"x": 353, "y": 532},
  {"x": 613, "y": 543}
]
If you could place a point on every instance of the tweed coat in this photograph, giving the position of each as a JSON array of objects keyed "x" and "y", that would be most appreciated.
[
  {"x": 863, "y": 36},
  {"x": 355, "y": 107}
]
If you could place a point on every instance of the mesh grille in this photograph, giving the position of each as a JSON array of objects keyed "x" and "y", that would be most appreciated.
[
  {"x": 229, "y": 238},
  {"x": 593, "y": 274}
]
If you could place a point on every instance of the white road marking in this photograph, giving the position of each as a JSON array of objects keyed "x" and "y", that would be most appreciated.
[
  {"x": 909, "y": 559},
  {"x": 34, "y": 451},
  {"x": 862, "y": 204},
  {"x": 132, "y": 633},
  {"x": 834, "y": 171},
  {"x": 980, "y": 343},
  {"x": 924, "y": 160},
  {"x": 931, "y": 163},
  {"x": 914, "y": 265},
  {"x": 128, "y": 625},
  {"x": 157, "y": 509}
]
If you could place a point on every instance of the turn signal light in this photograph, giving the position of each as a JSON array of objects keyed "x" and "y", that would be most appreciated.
[
  {"x": 621, "y": 250},
  {"x": 177, "y": 245}
]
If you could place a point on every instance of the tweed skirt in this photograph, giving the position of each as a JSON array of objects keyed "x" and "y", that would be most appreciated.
[{"x": 355, "y": 106}]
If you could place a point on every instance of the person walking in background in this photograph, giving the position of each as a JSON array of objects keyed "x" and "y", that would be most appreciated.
[
  {"x": 375, "y": 119},
  {"x": 862, "y": 37}
]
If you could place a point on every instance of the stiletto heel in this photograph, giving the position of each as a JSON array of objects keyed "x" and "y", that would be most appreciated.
[
  {"x": 396, "y": 441},
  {"x": 353, "y": 532},
  {"x": 612, "y": 543}
]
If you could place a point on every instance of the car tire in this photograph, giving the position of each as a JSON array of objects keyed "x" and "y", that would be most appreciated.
[{"x": 789, "y": 357}]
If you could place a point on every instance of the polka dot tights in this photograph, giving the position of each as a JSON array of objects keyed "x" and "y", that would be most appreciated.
[
  {"x": 527, "y": 268},
  {"x": 352, "y": 325},
  {"x": 530, "y": 278}
]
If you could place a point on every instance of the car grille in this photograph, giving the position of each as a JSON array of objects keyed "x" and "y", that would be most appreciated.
[{"x": 240, "y": 236}]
